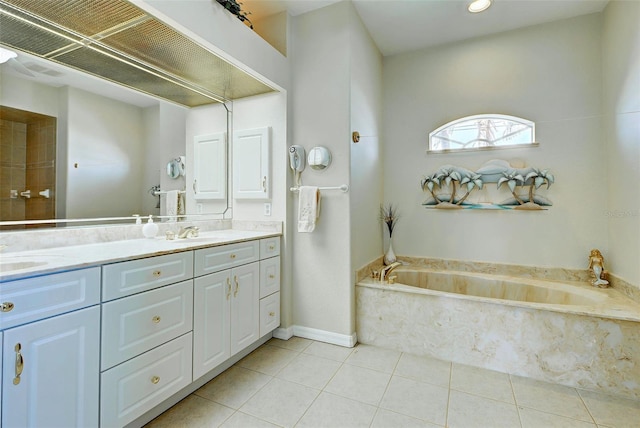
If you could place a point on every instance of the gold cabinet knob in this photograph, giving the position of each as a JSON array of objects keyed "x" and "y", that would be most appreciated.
[
  {"x": 155, "y": 379},
  {"x": 272, "y": 247},
  {"x": 156, "y": 319},
  {"x": 6, "y": 306},
  {"x": 157, "y": 273},
  {"x": 272, "y": 276},
  {"x": 272, "y": 314},
  {"x": 233, "y": 256}
]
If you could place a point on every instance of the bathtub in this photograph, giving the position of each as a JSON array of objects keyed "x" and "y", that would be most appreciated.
[{"x": 567, "y": 332}]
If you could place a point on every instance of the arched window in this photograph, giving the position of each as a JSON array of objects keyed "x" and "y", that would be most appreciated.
[{"x": 483, "y": 131}]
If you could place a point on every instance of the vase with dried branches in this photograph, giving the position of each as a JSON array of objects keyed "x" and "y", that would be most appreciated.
[{"x": 389, "y": 215}]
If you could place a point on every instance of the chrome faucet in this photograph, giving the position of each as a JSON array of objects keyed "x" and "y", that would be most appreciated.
[
  {"x": 188, "y": 232},
  {"x": 386, "y": 271}
]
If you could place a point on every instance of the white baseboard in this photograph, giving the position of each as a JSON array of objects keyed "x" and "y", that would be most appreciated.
[
  {"x": 283, "y": 333},
  {"x": 325, "y": 336}
]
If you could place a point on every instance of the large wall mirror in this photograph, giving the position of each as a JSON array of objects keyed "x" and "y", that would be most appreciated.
[{"x": 77, "y": 146}]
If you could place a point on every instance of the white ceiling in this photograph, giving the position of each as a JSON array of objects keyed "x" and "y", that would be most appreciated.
[{"x": 399, "y": 26}]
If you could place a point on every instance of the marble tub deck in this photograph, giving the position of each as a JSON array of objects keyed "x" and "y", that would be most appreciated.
[{"x": 570, "y": 349}]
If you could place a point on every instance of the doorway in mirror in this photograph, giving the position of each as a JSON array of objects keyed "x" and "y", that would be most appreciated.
[{"x": 27, "y": 166}]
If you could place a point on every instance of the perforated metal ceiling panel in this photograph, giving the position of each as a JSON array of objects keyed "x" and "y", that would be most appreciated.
[{"x": 118, "y": 41}]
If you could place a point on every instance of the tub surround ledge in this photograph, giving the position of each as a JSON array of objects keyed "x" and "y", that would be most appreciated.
[{"x": 573, "y": 347}]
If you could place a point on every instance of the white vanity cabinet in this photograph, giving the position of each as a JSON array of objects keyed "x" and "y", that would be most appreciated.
[
  {"x": 269, "y": 285},
  {"x": 226, "y": 305},
  {"x": 50, "y": 352},
  {"x": 146, "y": 334}
]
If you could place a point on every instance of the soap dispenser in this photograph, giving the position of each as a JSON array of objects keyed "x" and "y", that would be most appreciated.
[{"x": 150, "y": 229}]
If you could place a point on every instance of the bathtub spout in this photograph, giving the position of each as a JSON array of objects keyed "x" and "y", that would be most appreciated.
[{"x": 385, "y": 271}]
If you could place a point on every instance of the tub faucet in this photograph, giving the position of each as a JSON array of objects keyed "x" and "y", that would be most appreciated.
[
  {"x": 188, "y": 232},
  {"x": 385, "y": 271}
]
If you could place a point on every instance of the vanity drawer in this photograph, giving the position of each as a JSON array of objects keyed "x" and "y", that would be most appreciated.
[
  {"x": 41, "y": 297},
  {"x": 138, "y": 323},
  {"x": 269, "y": 313},
  {"x": 269, "y": 247},
  {"x": 126, "y": 278},
  {"x": 131, "y": 389},
  {"x": 269, "y": 276},
  {"x": 215, "y": 259}
]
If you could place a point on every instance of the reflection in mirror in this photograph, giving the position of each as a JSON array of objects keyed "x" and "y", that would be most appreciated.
[{"x": 107, "y": 151}]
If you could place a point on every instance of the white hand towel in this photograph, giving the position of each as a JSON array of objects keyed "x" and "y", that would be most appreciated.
[
  {"x": 171, "y": 204},
  {"x": 308, "y": 208}
]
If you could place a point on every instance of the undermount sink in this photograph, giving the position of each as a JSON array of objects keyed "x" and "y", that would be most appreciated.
[{"x": 11, "y": 265}]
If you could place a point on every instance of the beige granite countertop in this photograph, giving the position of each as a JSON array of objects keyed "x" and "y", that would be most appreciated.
[{"x": 44, "y": 261}]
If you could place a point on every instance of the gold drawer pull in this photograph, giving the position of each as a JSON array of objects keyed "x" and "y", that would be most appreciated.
[
  {"x": 19, "y": 364},
  {"x": 235, "y": 293},
  {"x": 228, "y": 288},
  {"x": 155, "y": 380},
  {"x": 6, "y": 306},
  {"x": 156, "y": 319},
  {"x": 157, "y": 273},
  {"x": 233, "y": 256},
  {"x": 272, "y": 314},
  {"x": 272, "y": 276}
]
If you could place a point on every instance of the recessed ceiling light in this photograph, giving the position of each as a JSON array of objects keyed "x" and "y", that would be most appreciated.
[{"x": 479, "y": 6}]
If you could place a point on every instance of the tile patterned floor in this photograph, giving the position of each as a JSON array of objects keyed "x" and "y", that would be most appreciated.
[{"x": 303, "y": 383}]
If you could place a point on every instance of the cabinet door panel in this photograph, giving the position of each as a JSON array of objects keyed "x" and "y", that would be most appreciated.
[
  {"x": 212, "y": 297},
  {"x": 245, "y": 306},
  {"x": 58, "y": 386},
  {"x": 135, "y": 276},
  {"x": 215, "y": 259},
  {"x": 138, "y": 323},
  {"x": 269, "y": 313},
  {"x": 251, "y": 164},
  {"x": 49, "y": 295},
  {"x": 269, "y": 276},
  {"x": 210, "y": 166},
  {"x": 134, "y": 387}
]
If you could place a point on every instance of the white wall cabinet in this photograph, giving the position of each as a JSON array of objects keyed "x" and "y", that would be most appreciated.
[
  {"x": 252, "y": 163},
  {"x": 210, "y": 166}
]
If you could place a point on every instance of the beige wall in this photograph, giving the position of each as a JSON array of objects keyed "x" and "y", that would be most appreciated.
[
  {"x": 550, "y": 74},
  {"x": 336, "y": 64},
  {"x": 621, "y": 107}
]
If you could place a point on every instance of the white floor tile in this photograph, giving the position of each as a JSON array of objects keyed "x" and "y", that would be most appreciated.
[
  {"x": 466, "y": 410},
  {"x": 372, "y": 357},
  {"x": 358, "y": 383},
  {"x": 424, "y": 369},
  {"x": 297, "y": 344},
  {"x": 416, "y": 399},
  {"x": 549, "y": 398},
  {"x": 388, "y": 419},
  {"x": 192, "y": 412},
  {"x": 327, "y": 350},
  {"x": 485, "y": 383},
  {"x": 233, "y": 387},
  {"x": 280, "y": 402},
  {"x": 310, "y": 370},
  {"x": 242, "y": 420},
  {"x": 531, "y": 418},
  {"x": 314, "y": 384},
  {"x": 612, "y": 411},
  {"x": 267, "y": 359},
  {"x": 332, "y": 411}
]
